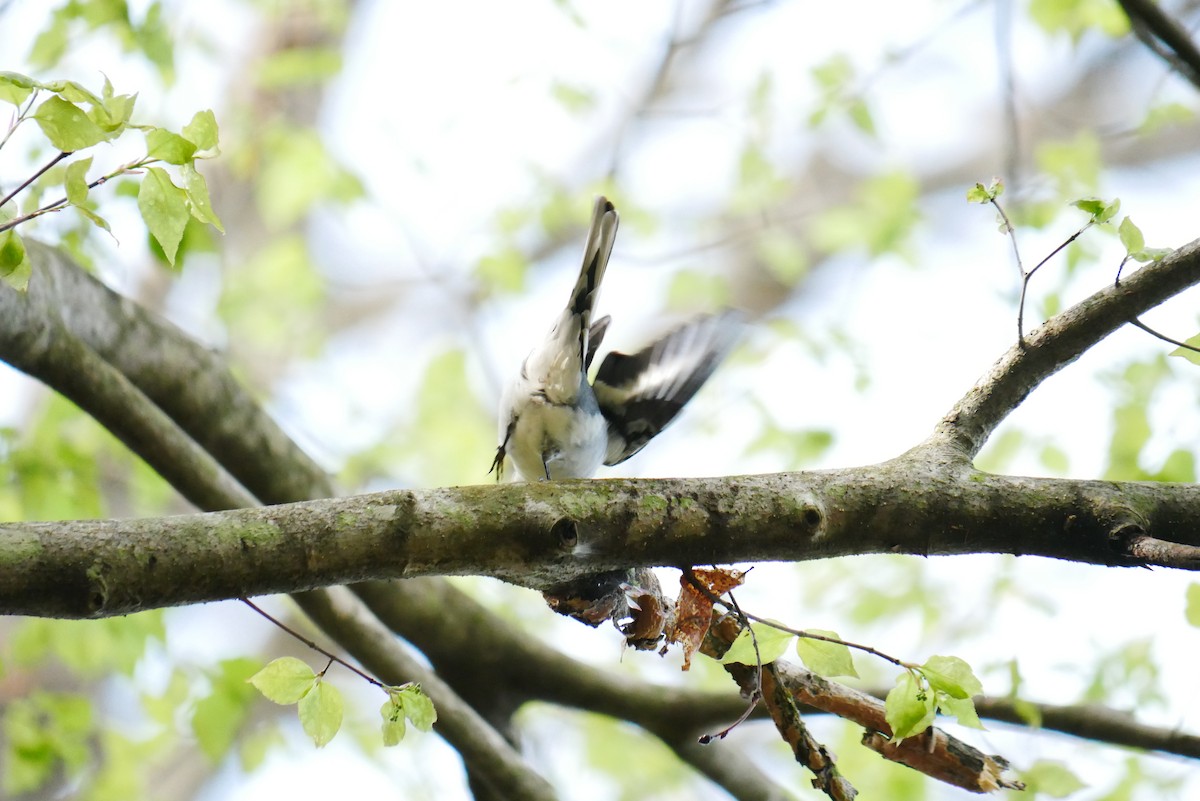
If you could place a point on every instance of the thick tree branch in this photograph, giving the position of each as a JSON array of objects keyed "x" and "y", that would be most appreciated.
[
  {"x": 96, "y": 567},
  {"x": 190, "y": 383}
]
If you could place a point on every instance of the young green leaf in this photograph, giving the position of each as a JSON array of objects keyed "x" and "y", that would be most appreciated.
[
  {"x": 170, "y": 147},
  {"x": 825, "y": 658},
  {"x": 418, "y": 707},
  {"x": 952, "y": 676},
  {"x": 321, "y": 713},
  {"x": 771, "y": 645},
  {"x": 76, "y": 181},
  {"x": 202, "y": 130},
  {"x": 12, "y": 253},
  {"x": 909, "y": 708},
  {"x": 1131, "y": 236},
  {"x": 15, "y": 88},
  {"x": 393, "y": 722},
  {"x": 66, "y": 125},
  {"x": 961, "y": 708},
  {"x": 94, "y": 218},
  {"x": 1109, "y": 211},
  {"x": 1192, "y": 610},
  {"x": 285, "y": 680},
  {"x": 164, "y": 207},
  {"x": 197, "y": 192},
  {"x": 978, "y": 194},
  {"x": 1051, "y": 778},
  {"x": 1089, "y": 205}
]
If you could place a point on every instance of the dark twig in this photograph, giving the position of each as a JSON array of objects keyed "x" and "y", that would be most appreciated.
[
  {"x": 1139, "y": 324},
  {"x": 332, "y": 657},
  {"x": 34, "y": 177}
]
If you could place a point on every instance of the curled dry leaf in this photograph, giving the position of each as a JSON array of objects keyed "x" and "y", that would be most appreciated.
[{"x": 694, "y": 608}]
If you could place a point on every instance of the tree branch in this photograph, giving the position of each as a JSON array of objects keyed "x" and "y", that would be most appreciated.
[
  {"x": 1057, "y": 343},
  {"x": 485, "y": 752},
  {"x": 106, "y": 567},
  {"x": 1165, "y": 37}
]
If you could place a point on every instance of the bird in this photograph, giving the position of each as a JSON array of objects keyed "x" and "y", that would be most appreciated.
[{"x": 554, "y": 424}]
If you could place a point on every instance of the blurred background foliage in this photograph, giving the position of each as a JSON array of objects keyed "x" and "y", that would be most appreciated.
[{"x": 404, "y": 191}]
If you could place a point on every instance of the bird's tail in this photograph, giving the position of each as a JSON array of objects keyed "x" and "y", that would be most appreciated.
[{"x": 601, "y": 235}]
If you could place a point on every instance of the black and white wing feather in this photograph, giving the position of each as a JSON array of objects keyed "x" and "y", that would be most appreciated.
[{"x": 640, "y": 395}]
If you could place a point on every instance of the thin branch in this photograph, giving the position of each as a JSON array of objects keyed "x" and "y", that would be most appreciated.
[
  {"x": 4, "y": 201},
  {"x": 732, "y": 605},
  {"x": 485, "y": 752},
  {"x": 332, "y": 657},
  {"x": 62, "y": 202},
  {"x": 1139, "y": 324}
]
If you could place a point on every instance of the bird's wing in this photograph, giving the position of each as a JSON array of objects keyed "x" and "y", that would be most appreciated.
[{"x": 641, "y": 394}]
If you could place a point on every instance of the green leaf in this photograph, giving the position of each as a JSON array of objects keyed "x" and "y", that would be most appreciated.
[
  {"x": 951, "y": 675},
  {"x": 285, "y": 680},
  {"x": 1192, "y": 610},
  {"x": 321, "y": 713},
  {"x": 169, "y": 147},
  {"x": 772, "y": 643},
  {"x": 15, "y": 269},
  {"x": 418, "y": 707},
  {"x": 1052, "y": 778},
  {"x": 978, "y": 194},
  {"x": 256, "y": 745},
  {"x": 164, "y": 207},
  {"x": 12, "y": 252},
  {"x": 909, "y": 708},
  {"x": 76, "y": 182},
  {"x": 197, "y": 192},
  {"x": 94, "y": 218},
  {"x": 51, "y": 43},
  {"x": 202, "y": 130},
  {"x": 218, "y": 718},
  {"x": 393, "y": 722},
  {"x": 825, "y": 658},
  {"x": 215, "y": 723},
  {"x": 963, "y": 709},
  {"x": 1101, "y": 211},
  {"x": 43, "y": 732},
  {"x": 1131, "y": 236},
  {"x": 66, "y": 125},
  {"x": 16, "y": 88}
]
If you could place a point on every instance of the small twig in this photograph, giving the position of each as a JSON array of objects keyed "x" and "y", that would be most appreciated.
[
  {"x": 332, "y": 657},
  {"x": 62, "y": 202},
  {"x": 1027, "y": 275},
  {"x": 1139, "y": 324},
  {"x": 18, "y": 118},
  {"x": 34, "y": 177},
  {"x": 695, "y": 582}
]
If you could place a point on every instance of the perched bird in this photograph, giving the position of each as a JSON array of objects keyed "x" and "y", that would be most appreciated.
[{"x": 554, "y": 424}]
